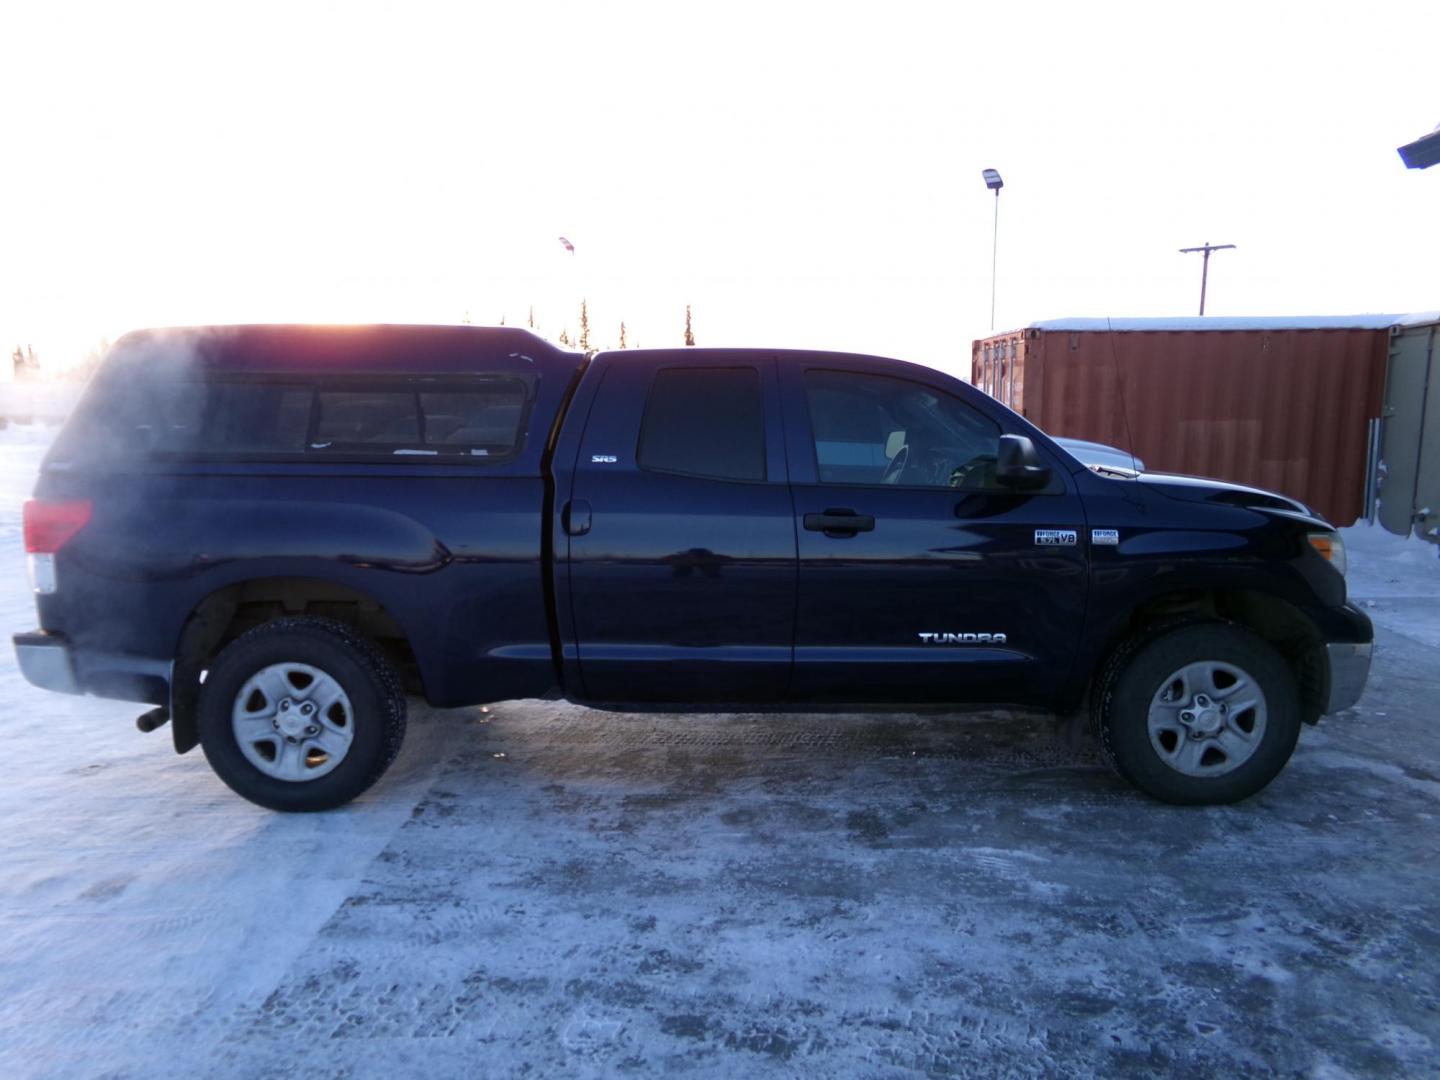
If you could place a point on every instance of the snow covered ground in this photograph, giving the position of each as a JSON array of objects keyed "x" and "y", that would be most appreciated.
[
  {"x": 1396, "y": 581},
  {"x": 544, "y": 890}
]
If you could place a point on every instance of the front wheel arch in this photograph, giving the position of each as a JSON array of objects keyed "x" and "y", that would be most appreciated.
[{"x": 1280, "y": 623}]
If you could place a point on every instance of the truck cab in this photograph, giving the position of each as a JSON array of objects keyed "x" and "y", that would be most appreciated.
[{"x": 813, "y": 528}]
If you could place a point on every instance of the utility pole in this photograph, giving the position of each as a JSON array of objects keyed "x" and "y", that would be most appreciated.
[{"x": 1207, "y": 247}]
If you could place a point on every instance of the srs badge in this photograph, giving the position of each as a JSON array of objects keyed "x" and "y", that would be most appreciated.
[{"x": 1056, "y": 537}]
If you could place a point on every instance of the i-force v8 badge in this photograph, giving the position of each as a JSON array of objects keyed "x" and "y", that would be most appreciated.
[{"x": 1056, "y": 537}]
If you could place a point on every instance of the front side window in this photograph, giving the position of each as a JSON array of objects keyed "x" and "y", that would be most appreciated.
[
  {"x": 706, "y": 422},
  {"x": 874, "y": 429}
]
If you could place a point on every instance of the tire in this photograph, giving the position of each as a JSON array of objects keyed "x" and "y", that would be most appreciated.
[
  {"x": 1199, "y": 714},
  {"x": 301, "y": 714}
]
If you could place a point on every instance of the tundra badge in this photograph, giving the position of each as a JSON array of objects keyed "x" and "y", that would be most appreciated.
[{"x": 963, "y": 639}]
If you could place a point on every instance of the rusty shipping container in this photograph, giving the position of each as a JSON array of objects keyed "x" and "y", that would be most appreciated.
[{"x": 1279, "y": 403}]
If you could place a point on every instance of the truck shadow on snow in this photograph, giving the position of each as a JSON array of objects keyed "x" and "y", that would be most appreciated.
[{"x": 694, "y": 755}]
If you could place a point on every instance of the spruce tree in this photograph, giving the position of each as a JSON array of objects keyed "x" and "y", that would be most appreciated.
[
  {"x": 584, "y": 342},
  {"x": 622, "y": 333},
  {"x": 689, "y": 334}
]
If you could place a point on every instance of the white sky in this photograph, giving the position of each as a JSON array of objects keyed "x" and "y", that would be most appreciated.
[{"x": 803, "y": 174}]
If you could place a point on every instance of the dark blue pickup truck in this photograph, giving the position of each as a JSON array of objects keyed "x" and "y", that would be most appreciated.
[{"x": 273, "y": 533}]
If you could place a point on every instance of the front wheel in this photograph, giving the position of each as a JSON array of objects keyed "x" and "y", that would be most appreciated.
[
  {"x": 301, "y": 714},
  {"x": 1202, "y": 714}
]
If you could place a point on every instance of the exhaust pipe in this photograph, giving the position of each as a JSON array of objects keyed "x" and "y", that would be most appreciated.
[{"x": 155, "y": 718}]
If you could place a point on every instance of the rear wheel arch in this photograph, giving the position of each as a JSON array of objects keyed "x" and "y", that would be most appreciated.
[{"x": 227, "y": 613}]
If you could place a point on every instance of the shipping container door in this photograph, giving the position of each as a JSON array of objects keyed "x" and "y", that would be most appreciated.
[{"x": 1410, "y": 491}]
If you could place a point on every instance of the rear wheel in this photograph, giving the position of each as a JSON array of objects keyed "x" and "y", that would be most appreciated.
[
  {"x": 1201, "y": 714},
  {"x": 301, "y": 714}
]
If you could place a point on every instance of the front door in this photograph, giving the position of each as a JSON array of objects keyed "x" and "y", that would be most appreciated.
[
  {"x": 681, "y": 533},
  {"x": 922, "y": 579}
]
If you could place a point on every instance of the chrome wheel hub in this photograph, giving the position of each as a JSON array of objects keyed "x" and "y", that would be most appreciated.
[
  {"x": 293, "y": 722},
  {"x": 1207, "y": 718}
]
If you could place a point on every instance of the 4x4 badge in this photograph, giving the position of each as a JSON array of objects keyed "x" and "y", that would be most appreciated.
[{"x": 1056, "y": 537}]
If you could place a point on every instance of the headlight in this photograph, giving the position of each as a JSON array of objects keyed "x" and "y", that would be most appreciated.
[{"x": 1331, "y": 547}]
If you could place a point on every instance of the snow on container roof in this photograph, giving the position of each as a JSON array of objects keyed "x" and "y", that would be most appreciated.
[
  {"x": 1420, "y": 318},
  {"x": 1226, "y": 322}
]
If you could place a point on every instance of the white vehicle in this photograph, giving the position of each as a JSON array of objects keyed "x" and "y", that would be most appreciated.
[{"x": 1094, "y": 453}]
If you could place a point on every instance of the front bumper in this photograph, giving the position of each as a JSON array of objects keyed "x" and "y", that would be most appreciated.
[
  {"x": 54, "y": 662},
  {"x": 1349, "y": 671}
]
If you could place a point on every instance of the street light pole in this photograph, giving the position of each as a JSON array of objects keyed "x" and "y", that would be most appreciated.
[
  {"x": 994, "y": 183},
  {"x": 1207, "y": 248}
]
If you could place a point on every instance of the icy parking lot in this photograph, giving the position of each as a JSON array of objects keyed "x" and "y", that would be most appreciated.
[{"x": 544, "y": 890}]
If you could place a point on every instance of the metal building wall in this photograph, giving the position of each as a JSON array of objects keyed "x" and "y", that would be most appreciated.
[
  {"x": 1410, "y": 490},
  {"x": 1285, "y": 409}
]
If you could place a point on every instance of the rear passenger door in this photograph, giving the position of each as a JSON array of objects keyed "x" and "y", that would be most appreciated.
[{"x": 680, "y": 533}]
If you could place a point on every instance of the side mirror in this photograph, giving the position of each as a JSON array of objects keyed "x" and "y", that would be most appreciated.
[{"x": 1017, "y": 464}]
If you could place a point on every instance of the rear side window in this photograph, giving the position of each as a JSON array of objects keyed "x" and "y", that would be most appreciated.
[
  {"x": 472, "y": 419},
  {"x": 704, "y": 422},
  {"x": 367, "y": 417},
  {"x": 433, "y": 423},
  {"x": 255, "y": 419},
  {"x": 296, "y": 418}
]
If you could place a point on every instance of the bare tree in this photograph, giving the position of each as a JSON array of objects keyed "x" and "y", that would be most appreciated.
[{"x": 26, "y": 363}]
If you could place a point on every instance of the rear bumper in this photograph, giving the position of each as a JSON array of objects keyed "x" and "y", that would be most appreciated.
[
  {"x": 45, "y": 662},
  {"x": 1349, "y": 672},
  {"x": 53, "y": 662}
]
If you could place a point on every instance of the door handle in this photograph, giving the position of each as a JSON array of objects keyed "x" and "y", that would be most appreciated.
[
  {"x": 840, "y": 522},
  {"x": 575, "y": 517}
]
